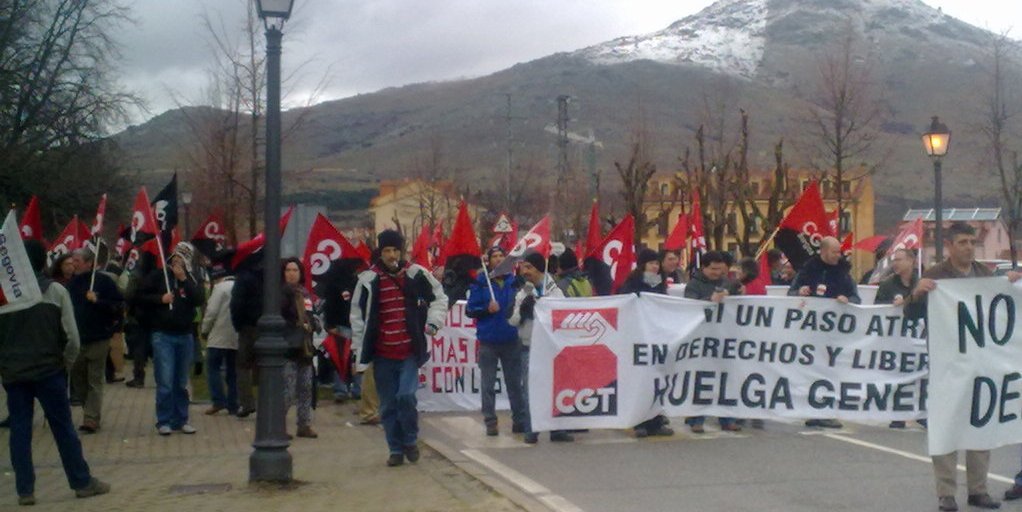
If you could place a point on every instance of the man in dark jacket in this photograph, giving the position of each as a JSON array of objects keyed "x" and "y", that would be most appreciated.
[
  {"x": 99, "y": 308},
  {"x": 710, "y": 283},
  {"x": 246, "y": 308},
  {"x": 826, "y": 275},
  {"x": 498, "y": 341},
  {"x": 172, "y": 338},
  {"x": 394, "y": 308},
  {"x": 37, "y": 345}
]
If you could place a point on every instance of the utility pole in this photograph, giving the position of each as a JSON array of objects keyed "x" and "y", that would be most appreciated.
[
  {"x": 562, "y": 141},
  {"x": 509, "y": 119}
]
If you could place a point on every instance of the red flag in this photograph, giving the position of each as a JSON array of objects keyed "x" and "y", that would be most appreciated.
[
  {"x": 594, "y": 235},
  {"x": 870, "y": 244},
  {"x": 339, "y": 350},
  {"x": 438, "y": 246},
  {"x": 363, "y": 251},
  {"x": 803, "y": 227},
  {"x": 463, "y": 238},
  {"x": 325, "y": 244},
  {"x": 31, "y": 227},
  {"x": 910, "y": 237},
  {"x": 211, "y": 229},
  {"x": 617, "y": 250},
  {"x": 696, "y": 223},
  {"x": 254, "y": 245},
  {"x": 536, "y": 240},
  {"x": 846, "y": 244},
  {"x": 70, "y": 239},
  {"x": 679, "y": 236},
  {"x": 420, "y": 250},
  {"x": 758, "y": 286},
  {"x": 123, "y": 244},
  {"x": 832, "y": 221},
  {"x": 97, "y": 225},
  {"x": 143, "y": 223}
]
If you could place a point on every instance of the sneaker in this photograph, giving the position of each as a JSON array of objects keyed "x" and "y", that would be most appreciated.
[
  {"x": 26, "y": 500},
  {"x": 163, "y": 430},
  {"x": 731, "y": 427},
  {"x": 1013, "y": 493},
  {"x": 641, "y": 432},
  {"x": 243, "y": 413},
  {"x": 213, "y": 410},
  {"x": 560, "y": 436},
  {"x": 814, "y": 423},
  {"x": 896, "y": 424},
  {"x": 491, "y": 429},
  {"x": 94, "y": 488},
  {"x": 983, "y": 501},
  {"x": 307, "y": 432},
  {"x": 697, "y": 429},
  {"x": 947, "y": 504},
  {"x": 830, "y": 424},
  {"x": 187, "y": 429},
  {"x": 412, "y": 453},
  {"x": 663, "y": 431},
  {"x": 395, "y": 459},
  {"x": 531, "y": 438},
  {"x": 88, "y": 427}
]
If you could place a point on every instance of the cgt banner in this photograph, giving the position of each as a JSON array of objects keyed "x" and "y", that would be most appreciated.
[
  {"x": 613, "y": 362},
  {"x": 450, "y": 379},
  {"x": 977, "y": 355}
]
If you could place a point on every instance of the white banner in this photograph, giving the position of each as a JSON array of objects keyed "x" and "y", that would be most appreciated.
[
  {"x": 450, "y": 379},
  {"x": 19, "y": 288},
  {"x": 976, "y": 354},
  {"x": 612, "y": 362}
]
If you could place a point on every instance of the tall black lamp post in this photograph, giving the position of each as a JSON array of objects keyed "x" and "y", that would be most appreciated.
[
  {"x": 270, "y": 461},
  {"x": 936, "y": 141},
  {"x": 186, "y": 201}
]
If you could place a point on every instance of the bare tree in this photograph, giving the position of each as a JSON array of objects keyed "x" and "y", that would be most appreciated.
[
  {"x": 635, "y": 176},
  {"x": 844, "y": 111},
  {"x": 1001, "y": 132},
  {"x": 59, "y": 95}
]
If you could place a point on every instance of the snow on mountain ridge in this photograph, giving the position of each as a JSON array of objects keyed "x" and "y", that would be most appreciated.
[{"x": 728, "y": 36}]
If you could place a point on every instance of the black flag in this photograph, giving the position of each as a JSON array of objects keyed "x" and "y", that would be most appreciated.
[{"x": 165, "y": 210}]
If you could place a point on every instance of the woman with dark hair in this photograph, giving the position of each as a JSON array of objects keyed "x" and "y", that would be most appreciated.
[
  {"x": 62, "y": 269},
  {"x": 296, "y": 308},
  {"x": 646, "y": 278}
]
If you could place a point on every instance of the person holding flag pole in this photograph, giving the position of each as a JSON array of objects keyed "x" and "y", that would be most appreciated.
[{"x": 490, "y": 300}]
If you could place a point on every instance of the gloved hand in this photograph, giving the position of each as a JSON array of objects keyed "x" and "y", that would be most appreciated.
[{"x": 528, "y": 307}]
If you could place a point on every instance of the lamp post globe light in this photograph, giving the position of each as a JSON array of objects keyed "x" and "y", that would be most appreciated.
[
  {"x": 186, "y": 200},
  {"x": 936, "y": 140},
  {"x": 270, "y": 461}
]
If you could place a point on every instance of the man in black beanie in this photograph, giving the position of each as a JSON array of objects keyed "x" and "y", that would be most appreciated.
[
  {"x": 395, "y": 306},
  {"x": 571, "y": 280}
]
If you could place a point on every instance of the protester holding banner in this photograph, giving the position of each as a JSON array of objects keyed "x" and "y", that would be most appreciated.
[
  {"x": 960, "y": 242},
  {"x": 37, "y": 346},
  {"x": 896, "y": 287},
  {"x": 99, "y": 309},
  {"x": 490, "y": 301},
  {"x": 337, "y": 285},
  {"x": 826, "y": 275},
  {"x": 670, "y": 267},
  {"x": 572, "y": 281},
  {"x": 394, "y": 307},
  {"x": 538, "y": 284},
  {"x": 221, "y": 344},
  {"x": 710, "y": 283}
]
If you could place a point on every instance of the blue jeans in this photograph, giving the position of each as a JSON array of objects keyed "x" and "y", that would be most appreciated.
[
  {"x": 509, "y": 356},
  {"x": 396, "y": 383},
  {"x": 172, "y": 363},
  {"x": 52, "y": 395},
  {"x": 215, "y": 358}
]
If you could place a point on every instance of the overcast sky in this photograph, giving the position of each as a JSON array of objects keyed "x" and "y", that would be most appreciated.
[{"x": 361, "y": 46}]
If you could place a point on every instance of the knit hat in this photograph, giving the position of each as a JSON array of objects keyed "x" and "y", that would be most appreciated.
[
  {"x": 390, "y": 238},
  {"x": 536, "y": 260},
  {"x": 186, "y": 252},
  {"x": 567, "y": 260},
  {"x": 646, "y": 256},
  {"x": 492, "y": 250}
]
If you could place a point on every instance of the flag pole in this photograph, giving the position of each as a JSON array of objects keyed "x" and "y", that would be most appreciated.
[
  {"x": 489, "y": 284},
  {"x": 166, "y": 278},
  {"x": 763, "y": 245},
  {"x": 95, "y": 261}
]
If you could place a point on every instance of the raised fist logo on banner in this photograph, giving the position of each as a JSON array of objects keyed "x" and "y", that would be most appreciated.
[
  {"x": 585, "y": 376},
  {"x": 326, "y": 251},
  {"x": 585, "y": 324}
]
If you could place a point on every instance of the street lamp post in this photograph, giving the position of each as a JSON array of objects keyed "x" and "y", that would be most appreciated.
[
  {"x": 270, "y": 461},
  {"x": 936, "y": 141},
  {"x": 186, "y": 200}
]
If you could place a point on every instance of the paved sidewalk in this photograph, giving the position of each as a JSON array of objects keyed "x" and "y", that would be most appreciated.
[{"x": 341, "y": 470}]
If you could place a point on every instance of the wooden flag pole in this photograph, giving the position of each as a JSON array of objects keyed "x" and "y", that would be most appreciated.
[
  {"x": 166, "y": 278},
  {"x": 763, "y": 245},
  {"x": 95, "y": 262},
  {"x": 489, "y": 284}
]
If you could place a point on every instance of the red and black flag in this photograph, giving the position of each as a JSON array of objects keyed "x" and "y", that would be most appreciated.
[
  {"x": 31, "y": 227},
  {"x": 802, "y": 229},
  {"x": 211, "y": 237}
]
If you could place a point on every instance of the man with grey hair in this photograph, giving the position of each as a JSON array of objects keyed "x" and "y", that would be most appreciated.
[
  {"x": 98, "y": 306},
  {"x": 826, "y": 275}
]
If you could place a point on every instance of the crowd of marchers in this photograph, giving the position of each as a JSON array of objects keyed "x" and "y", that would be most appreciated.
[{"x": 194, "y": 313}]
